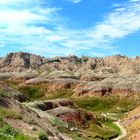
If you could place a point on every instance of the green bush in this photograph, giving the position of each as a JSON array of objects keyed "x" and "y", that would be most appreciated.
[
  {"x": 43, "y": 136},
  {"x": 2, "y": 94},
  {"x": 8, "y": 130}
]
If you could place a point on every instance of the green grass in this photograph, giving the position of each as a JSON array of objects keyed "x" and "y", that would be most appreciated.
[
  {"x": 32, "y": 92},
  {"x": 43, "y": 136},
  {"x": 64, "y": 93},
  {"x": 100, "y": 128},
  {"x": 9, "y": 133},
  {"x": 2, "y": 94},
  {"x": 113, "y": 126},
  {"x": 8, "y": 113},
  {"x": 56, "y": 121},
  {"x": 40, "y": 91},
  {"x": 106, "y": 132},
  {"x": 11, "y": 83},
  {"x": 77, "y": 137},
  {"x": 108, "y": 104}
]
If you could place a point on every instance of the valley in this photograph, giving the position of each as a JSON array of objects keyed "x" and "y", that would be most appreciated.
[{"x": 69, "y": 98}]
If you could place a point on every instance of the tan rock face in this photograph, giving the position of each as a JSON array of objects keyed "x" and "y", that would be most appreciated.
[
  {"x": 113, "y": 64},
  {"x": 86, "y": 75},
  {"x": 69, "y": 65},
  {"x": 20, "y": 62},
  {"x": 117, "y": 85}
]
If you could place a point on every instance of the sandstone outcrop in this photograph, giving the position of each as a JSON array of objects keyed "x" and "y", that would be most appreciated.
[
  {"x": 20, "y": 62},
  {"x": 86, "y": 75},
  {"x": 68, "y": 66}
]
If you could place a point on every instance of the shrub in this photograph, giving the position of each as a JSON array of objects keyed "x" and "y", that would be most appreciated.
[
  {"x": 2, "y": 94},
  {"x": 8, "y": 130},
  {"x": 43, "y": 136}
]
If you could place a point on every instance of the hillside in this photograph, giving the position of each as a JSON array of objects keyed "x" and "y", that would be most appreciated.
[{"x": 68, "y": 98}]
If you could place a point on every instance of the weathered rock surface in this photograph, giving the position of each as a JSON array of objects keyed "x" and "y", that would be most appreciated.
[
  {"x": 86, "y": 75},
  {"x": 25, "y": 119},
  {"x": 65, "y": 76},
  {"x": 20, "y": 62},
  {"x": 119, "y": 85},
  {"x": 68, "y": 66},
  {"x": 63, "y": 109},
  {"x": 7, "y": 91}
]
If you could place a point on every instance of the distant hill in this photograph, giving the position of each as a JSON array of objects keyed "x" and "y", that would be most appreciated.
[{"x": 21, "y": 61}]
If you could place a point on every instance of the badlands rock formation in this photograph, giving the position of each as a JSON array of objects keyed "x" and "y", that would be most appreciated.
[
  {"x": 71, "y": 65},
  {"x": 86, "y": 75},
  {"x": 46, "y": 90}
]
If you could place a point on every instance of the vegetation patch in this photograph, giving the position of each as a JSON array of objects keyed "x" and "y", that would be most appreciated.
[
  {"x": 9, "y": 133},
  {"x": 12, "y": 83},
  {"x": 113, "y": 126},
  {"x": 8, "y": 113},
  {"x": 64, "y": 93},
  {"x": 42, "y": 136},
  {"x": 102, "y": 132},
  {"x": 2, "y": 94},
  {"x": 108, "y": 104},
  {"x": 32, "y": 92}
]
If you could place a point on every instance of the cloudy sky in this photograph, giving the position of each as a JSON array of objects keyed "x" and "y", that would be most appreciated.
[{"x": 64, "y": 27}]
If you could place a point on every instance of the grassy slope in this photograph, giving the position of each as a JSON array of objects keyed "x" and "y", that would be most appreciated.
[
  {"x": 108, "y": 104},
  {"x": 96, "y": 105},
  {"x": 9, "y": 133}
]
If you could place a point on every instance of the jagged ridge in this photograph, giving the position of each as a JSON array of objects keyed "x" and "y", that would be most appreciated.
[{"x": 113, "y": 64}]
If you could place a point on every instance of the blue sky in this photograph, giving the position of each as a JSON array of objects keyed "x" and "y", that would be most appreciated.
[{"x": 70, "y": 27}]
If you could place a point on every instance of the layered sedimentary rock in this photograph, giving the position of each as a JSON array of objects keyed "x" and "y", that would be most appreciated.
[
  {"x": 86, "y": 75},
  {"x": 113, "y": 64}
]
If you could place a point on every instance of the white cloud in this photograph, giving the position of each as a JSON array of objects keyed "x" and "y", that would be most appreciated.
[
  {"x": 134, "y": 0},
  {"x": 33, "y": 28},
  {"x": 2, "y": 45},
  {"x": 121, "y": 22},
  {"x": 8, "y": 1}
]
